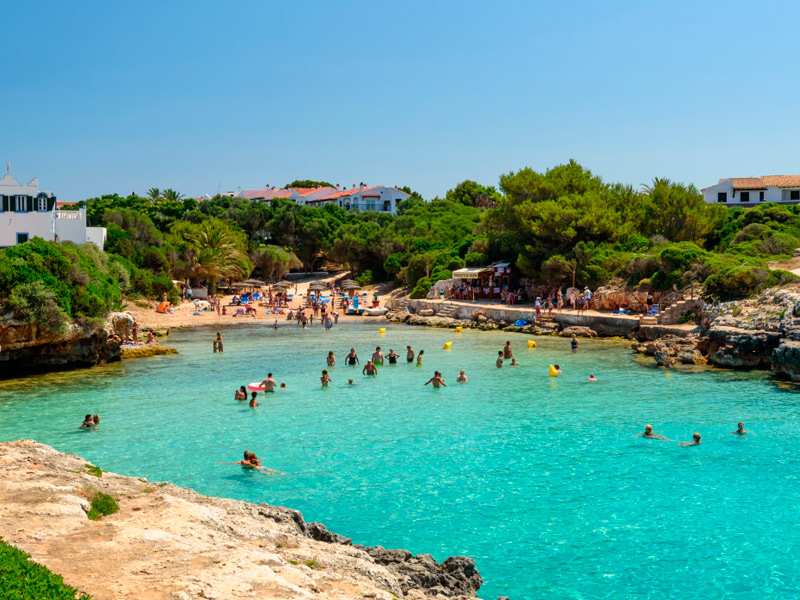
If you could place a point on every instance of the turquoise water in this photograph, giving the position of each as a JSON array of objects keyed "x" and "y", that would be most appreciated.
[{"x": 538, "y": 479}]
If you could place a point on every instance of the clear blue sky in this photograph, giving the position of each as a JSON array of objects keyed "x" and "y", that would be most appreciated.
[{"x": 101, "y": 97}]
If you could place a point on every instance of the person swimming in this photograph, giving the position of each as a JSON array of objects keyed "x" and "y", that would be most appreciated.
[
  {"x": 352, "y": 358},
  {"x": 241, "y": 394},
  {"x": 740, "y": 430},
  {"x": 514, "y": 363},
  {"x": 436, "y": 380},
  {"x": 557, "y": 368},
  {"x": 377, "y": 356},
  {"x": 325, "y": 379},
  {"x": 593, "y": 378},
  {"x": 648, "y": 433},
  {"x": 369, "y": 369},
  {"x": 88, "y": 422},
  {"x": 251, "y": 461},
  {"x": 392, "y": 356},
  {"x": 462, "y": 377},
  {"x": 253, "y": 402},
  {"x": 409, "y": 354},
  {"x": 283, "y": 386},
  {"x": 350, "y": 382},
  {"x": 499, "y": 362},
  {"x": 695, "y": 441}
]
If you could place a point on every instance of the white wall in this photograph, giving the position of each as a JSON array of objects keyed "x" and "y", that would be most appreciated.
[
  {"x": 35, "y": 224},
  {"x": 771, "y": 194},
  {"x": 71, "y": 226},
  {"x": 710, "y": 193},
  {"x": 96, "y": 236}
]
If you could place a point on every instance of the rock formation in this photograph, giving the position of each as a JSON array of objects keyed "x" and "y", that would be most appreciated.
[{"x": 172, "y": 543}]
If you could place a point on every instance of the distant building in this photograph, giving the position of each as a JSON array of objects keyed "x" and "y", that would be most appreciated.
[
  {"x": 749, "y": 191},
  {"x": 26, "y": 212},
  {"x": 378, "y": 197}
]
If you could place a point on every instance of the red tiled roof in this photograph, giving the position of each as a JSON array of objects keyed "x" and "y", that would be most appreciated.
[
  {"x": 59, "y": 203},
  {"x": 757, "y": 183}
]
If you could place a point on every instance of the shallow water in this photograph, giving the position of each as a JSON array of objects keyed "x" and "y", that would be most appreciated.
[{"x": 539, "y": 479}]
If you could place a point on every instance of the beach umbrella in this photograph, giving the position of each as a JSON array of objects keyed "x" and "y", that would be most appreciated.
[
  {"x": 286, "y": 283},
  {"x": 317, "y": 287},
  {"x": 351, "y": 286},
  {"x": 254, "y": 283}
]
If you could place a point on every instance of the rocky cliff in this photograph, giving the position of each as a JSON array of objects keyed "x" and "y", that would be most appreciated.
[
  {"x": 171, "y": 543},
  {"x": 24, "y": 348}
]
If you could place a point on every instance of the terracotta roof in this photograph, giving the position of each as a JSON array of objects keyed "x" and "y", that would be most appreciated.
[{"x": 757, "y": 183}]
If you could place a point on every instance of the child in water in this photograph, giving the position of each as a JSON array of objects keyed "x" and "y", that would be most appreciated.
[
  {"x": 325, "y": 379},
  {"x": 253, "y": 402}
]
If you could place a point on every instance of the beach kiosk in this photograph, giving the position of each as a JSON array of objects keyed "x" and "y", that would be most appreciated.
[{"x": 485, "y": 282}]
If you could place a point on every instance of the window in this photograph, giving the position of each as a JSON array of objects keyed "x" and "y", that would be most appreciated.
[
  {"x": 42, "y": 203},
  {"x": 22, "y": 238},
  {"x": 21, "y": 204},
  {"x": 760, "y": 196},
  {"x": 722, "y": 196},
  {"x": 794, "y": 195},
  {"x": 744, "y": 196}
]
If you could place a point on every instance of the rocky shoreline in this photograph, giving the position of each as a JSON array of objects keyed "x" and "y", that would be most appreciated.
[{"x": 173, "y": 543}]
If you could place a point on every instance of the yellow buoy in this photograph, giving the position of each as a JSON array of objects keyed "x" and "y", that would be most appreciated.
[
  {"x": 531, "y": 344},
  {"x": 458, "y": 329},
  {"x": 382, "y": 330},
  {"x": 447, "y": 345},
  {"x": 553, "y": 372}
]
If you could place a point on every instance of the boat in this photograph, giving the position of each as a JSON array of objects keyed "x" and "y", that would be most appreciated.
[{"x": 378, "y": 311}]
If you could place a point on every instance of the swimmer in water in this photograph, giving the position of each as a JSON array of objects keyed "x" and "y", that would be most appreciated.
[
  {"x": 377, "y": 356},
  {"x": 88, "y": 422},
  {"x": 740, "y": 430},
  {"x": 648, "y": 433},
  {"x": 557, "y": 368},
  {"x": 462, "y": 377},
  {"x": 593, "y": 378},
  {"x": 352, "y": 358},
  {"x": 283, "y": 386},
  {"x": 331, "y": 359},
  {"x": 419, "y": 358},
  {"x": 369, "y": 369},
  {"x": 436, "y": 380},
  {"x": 514, "y": 363},
  {"x": 392, "y": 356},
  {"x": 409, "y": 354},
  {"x": 251, "y": 461},
  {"x": 269, "y": 383},
  {"x": 241, "y": 394},
  {"x": 325, "y": 379},
  {"x": 695, "y": 441},
  {"x": 350, "y": 382},
  {"x": 499, "y": 362},
  {"x": 507, "y": 351},
  {"x": 253, "y": 402}
]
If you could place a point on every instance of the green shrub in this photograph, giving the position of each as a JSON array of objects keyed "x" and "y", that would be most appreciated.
[
  {"x": 33, "y": 303},
  {"x": 421, "y": 289},
  {"x": 93, "y": 470},
  {"x": 102, "y": 506},
  {"x": 22, "y": 579},
  {"x": 476, "y": 259},
  {"x": 365, "y": 278}
]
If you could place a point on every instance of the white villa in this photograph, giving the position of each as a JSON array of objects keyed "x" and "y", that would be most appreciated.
[
  {"x": 361, "y": 197},
  {"x": 749, "y": 191},
  {"x": 26, "y": 212}
]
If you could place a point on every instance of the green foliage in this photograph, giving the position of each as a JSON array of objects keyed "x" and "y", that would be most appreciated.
[
  {"x": 93, "y": 470},
  {"x": 274, "y": 262},
  {"x": 22, "y": 579},
  {"x": 743, "y": 281},
  {"x": 102, "y": 506},
  {"x": 307, "y": 183},
  {"x": 421, "y": 288},
  {"x": 471, "y": 193},
  {"x": 33, "y": 303},
  {"x": 476, "y": 259},
  {"x": 365, "y": 278},
  {"x": 311, "y": 564}
]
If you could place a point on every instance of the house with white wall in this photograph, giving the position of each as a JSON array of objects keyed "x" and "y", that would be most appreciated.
[
  {"x": 745, "y": 192},
  {"x": 26, "y": 212},
  {"x": 378, "y": 198}
]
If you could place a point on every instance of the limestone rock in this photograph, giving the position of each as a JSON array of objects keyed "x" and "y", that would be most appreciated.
[{"x": 578, "y": 331}]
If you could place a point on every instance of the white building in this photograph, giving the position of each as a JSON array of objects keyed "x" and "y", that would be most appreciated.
[
  {"x": 379, "y": 198},
  {"x": 25, "y": 213},
  {"x": 749, "y": 191}
]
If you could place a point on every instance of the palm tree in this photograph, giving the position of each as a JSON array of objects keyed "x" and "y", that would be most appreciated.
[
  {"x": 218, "y": 253},
  {"x": 154, "y": 193},
  {"x": 171, "y": 195}
]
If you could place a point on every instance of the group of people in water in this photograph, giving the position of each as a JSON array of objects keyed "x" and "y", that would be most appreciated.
[{"x": 648, "y": 433}]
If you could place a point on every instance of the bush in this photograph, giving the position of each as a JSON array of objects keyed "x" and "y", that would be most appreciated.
[
  {"x": 34, "y": 303},
  {"x": 421, "y": 289},
  {"x": 22, "y": 579},
  {"x": 476, "y": 259},
  {"x": 102, "y": 506},
  {"x": 365, "y": 278}
]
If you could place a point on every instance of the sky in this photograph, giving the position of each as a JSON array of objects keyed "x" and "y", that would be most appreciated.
[{"x": 201, "y": 96}]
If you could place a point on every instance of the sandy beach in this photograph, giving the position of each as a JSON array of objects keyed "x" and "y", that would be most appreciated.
[{"x": 184, "y": 317}]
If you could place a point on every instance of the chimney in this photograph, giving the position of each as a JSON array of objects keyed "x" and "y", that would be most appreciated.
[{"x": 361, "y": 187}]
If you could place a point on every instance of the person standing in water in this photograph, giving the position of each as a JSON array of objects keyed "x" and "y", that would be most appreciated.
[
  {"x": 253, "y": 402},
  {"x": 740, "y": 430},
  {"x": 499, "y": 362},
  {"x": 507, "y": 351},
  {"x": 574, "y": 343},
  {"x": 436, "y": 380},
  {"x": 331, "y": 359},
  {"x": 275, "y": 325},
  {"x": 352, "y": 358},
  {"x": 219, "y": 342},
  {"x": 241, "y": 394},
  {"x": 419, "y": 358},
  {"x": 392, "y": 356},
  {"x": 409, "y": 354},
  {"x": 462, "y": 377},
  {"x": 88, "y": 422},
  {"x": 269, "y": 383},
  {"x": 377, "y": 356},
  {"x": 325, "y": 379},
  {"x": 369, "y": 369}
]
